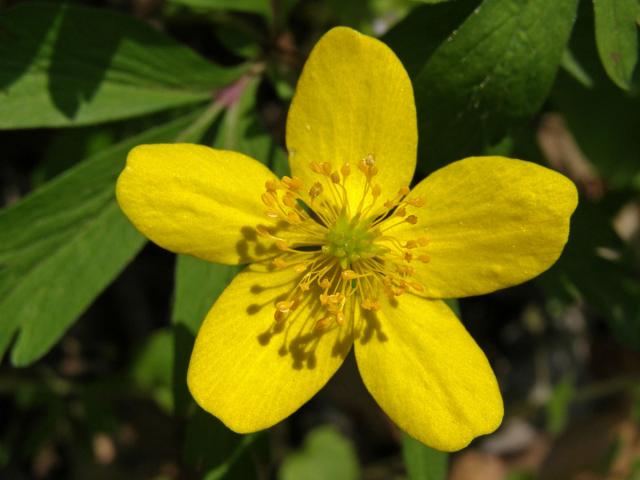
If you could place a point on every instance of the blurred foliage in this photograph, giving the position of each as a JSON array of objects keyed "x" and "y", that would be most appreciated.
[
  {"x": 324, "y": 454},
  {"x": 423, "y": 462},
  {"x": 551, "y": 81}
]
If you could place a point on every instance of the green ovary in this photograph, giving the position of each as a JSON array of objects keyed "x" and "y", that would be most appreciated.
[{"x": 349, "y": 241}]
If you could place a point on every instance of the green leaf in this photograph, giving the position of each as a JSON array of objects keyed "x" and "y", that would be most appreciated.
[
  {"x": 422, "y": 462},
  {"x": 262, "y": 7},
  {"x": 198, "y": 284},
  {"x": 325, "y": 454},
  {"x": 558, "y": 405},
  {"x": 424, "y": 29},
  {"x": 496, "y": 70},
  {"x": 211, "y": 447},
  {"x": 243, "y": 131},
  {"x": 153, "y": 366},
  {"x": 588, "y": 108},
  {"x": 62, "y": 245},
  {"x": 66, "y": 65},
  {"x": 617, "y": 38},
  {"x": 571, "y": 65},
  {"x": 240, "y": 447}
]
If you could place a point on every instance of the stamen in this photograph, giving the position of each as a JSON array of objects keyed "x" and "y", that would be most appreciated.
[{"x": 344, "y": 257}]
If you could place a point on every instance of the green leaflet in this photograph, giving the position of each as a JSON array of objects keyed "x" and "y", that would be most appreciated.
[
  {"x": 422, "y": 462},
  {"x": 325, "y": 454},
  {"x": 66, "y": 65},
  {"x": 495, "y": 70},
  {"x": 617, "y": 38},
  {"x": 62, "y": 245},
  {"x": 421, "y": 33}
]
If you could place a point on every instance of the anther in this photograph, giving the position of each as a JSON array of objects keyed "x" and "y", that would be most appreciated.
[
  {"x": 370, "y": 304},
  {"x": 322, "y": 324},
  {"x": 416, "y": 202},
  {"x": 269, "y": 199},
  {"x": 369, "y": 160},
  {"x": 284, "y": 306},
  {"x": 404, "y": 191},
  {"x": 326, "y": 168},
  {"x": 335, "y": 177},
  {"x": 401, "y": 212},
  {"x": 316, "y": 167},
  {"x": 345, "y": 170},
  {"x": 282, "y": 245},
  {"x": 348, "y": 275},
  {"x": 271, "y": 185},
  {"x": 315, "y": 190},
  {"x": 368, "y": 166},
  {"x": 412, "y": 219},
  {"x": 289, "y": 200},
  {"x": 263, "y": 231},
  {"x": 424, "y": 258},
  {"x": 376, "y": 190},
  {"x": 292, "y": 183},
  {"x": 324, "y": 283},
  {"x": 301, "y": 267},
  {"x": 293, "y": 217},
  {"x": 279, "y": 263}
]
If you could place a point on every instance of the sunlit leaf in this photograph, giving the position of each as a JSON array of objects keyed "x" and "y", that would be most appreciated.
[
  {"x": 64, "y": 65},
  {"x": 64, "y": 243}
]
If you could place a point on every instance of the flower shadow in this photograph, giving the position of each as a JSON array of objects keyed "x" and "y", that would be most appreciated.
[
  {"x": 297, "y": 336},
  {"x": 370, "y": 327}
]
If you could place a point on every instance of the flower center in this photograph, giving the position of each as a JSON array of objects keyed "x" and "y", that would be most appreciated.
[
  {"x": 349, "y": 240},
  {"x": 345, "y": 255}
]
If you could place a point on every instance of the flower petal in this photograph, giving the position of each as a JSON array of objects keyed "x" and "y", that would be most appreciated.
[
  {"x": 428, "y": 374},
  {"x": 195, "y": 200},
  {"x": 354, "y": 98},
  {"x": 250, "y": 374},
  {"x": 491, "y": 222}
]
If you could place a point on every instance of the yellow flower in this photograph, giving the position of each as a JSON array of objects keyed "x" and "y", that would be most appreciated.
[{"x": 342, "y": 253}]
